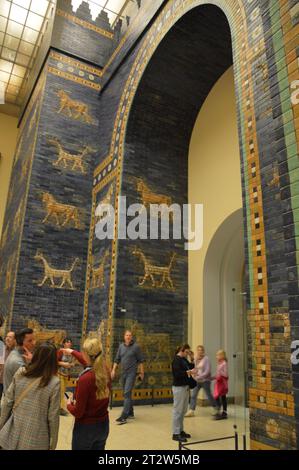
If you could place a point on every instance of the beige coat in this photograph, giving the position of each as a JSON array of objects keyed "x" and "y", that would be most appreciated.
[{"x": 34, "y": 424}]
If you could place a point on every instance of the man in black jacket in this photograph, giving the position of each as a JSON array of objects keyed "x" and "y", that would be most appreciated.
[{"x": 181, "y": 370}]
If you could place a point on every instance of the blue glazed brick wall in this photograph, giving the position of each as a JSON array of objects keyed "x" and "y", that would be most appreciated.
[
  {"x": 69, "y": 184},
  {"x": 78, "y": 34}
]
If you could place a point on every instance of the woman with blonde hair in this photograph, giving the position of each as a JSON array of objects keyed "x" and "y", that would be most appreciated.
[
  {"x": 221, "y": 385},
  {"x": 91, "y": 400}
]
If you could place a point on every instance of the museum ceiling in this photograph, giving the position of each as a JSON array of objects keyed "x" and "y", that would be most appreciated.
[{"x": 23, "y": 24}]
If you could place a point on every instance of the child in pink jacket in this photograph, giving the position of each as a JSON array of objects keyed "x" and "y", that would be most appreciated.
[{"x": 221, "y": 385}]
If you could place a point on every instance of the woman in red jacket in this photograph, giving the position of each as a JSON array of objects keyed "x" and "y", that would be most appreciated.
[{"x": 91, "y": 400}]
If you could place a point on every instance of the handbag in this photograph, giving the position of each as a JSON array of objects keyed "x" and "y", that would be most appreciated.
[
  {"x": 8, "y": 426},
  {"x": 24, "y": 393}
]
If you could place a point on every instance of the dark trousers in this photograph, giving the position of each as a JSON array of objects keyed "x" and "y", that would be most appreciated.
[
  {"x": 90, "y": 436},
  {"x": 222, "y": 400},
  {"x": 1, "y": 391}
]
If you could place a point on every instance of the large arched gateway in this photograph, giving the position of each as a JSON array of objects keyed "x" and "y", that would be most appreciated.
[{"x": 154, "y": 79}]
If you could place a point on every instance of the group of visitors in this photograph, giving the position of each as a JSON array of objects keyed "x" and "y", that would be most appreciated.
[
  {"x": 193, "y": 372},
  {"x": 31, "y": 400},
  {"x": 34, "y": 380}
]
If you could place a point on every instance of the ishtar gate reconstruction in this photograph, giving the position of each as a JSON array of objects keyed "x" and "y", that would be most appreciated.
[{"x": 109, "y": 106}]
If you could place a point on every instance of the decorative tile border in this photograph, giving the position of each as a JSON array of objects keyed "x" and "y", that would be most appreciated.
[
  {"x": 75, "y": 71},
  {"x": 75, "y": 63}
]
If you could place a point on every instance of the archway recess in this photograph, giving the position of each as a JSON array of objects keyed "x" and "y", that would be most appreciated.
[
  {"x": 138, "y": 141},
  {"x": 190, "y": 59}
]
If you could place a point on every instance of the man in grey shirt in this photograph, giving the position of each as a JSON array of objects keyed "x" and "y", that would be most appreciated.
[
  {"x": 19, "y": 356},
  {"x": 129, "y": 355}
]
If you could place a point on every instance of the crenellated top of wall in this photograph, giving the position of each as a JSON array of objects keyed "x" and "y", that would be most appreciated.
[
  {"x": 76, "y": 33},
  {"x": 84, "y": 13}
]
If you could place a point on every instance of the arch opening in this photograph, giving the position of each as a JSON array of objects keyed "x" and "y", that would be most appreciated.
[{"x": 191, "y": 58}]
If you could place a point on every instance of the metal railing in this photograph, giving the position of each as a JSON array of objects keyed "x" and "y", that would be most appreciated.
[{"x": 235, "y": 437}]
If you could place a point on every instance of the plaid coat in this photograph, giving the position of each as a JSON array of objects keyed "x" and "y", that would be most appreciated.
[{"x": 34, "y": 424}]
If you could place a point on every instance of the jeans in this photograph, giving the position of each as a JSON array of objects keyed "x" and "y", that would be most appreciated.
[
  {"x": 180, "y": 407},
  {"x": 207, "y": 388},
  {"x": 128, "y": 385},
  {"x": 90, "y": 436}
]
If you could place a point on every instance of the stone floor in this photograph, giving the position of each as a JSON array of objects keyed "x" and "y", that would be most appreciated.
[{"x": 151, "y": 430}]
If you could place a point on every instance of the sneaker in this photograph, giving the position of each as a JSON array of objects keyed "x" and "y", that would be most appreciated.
[
  {"x": 121, "y": 420},
  {"x": 131, "y": 416},
  {"x": 63, "y": 412},
  {"x": 184, "y": 434},
  {"x": 220, "y": 416},
  {"x": 179, "y": 438},
  {"x": 190, "y": 414}
]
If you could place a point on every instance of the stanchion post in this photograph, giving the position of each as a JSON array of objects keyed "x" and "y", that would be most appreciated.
[
  {"x": 244, "y": 442},
  {"x": 236, "y": 441}
]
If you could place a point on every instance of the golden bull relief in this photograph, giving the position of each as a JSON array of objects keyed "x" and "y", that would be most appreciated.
[
  {"x": 50, "y": 273},
  {"x": 98, "y": 280},
  {"x": 151, "y": 272},
  {"x": 42, "y": 334},
  {"x": 150, "y": 197},
  {"x": 155, "y": 346},
  {"x": 63, "y": 214},
  {"x": 104, "y": 206},
  {"x": 73, "y": 109},
  {"x": 68, "y": 160}
]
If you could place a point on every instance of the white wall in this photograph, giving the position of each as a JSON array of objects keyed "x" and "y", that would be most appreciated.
[
  {"x": 8, "y": 140},
  {"x": 214, "y": 181}
]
